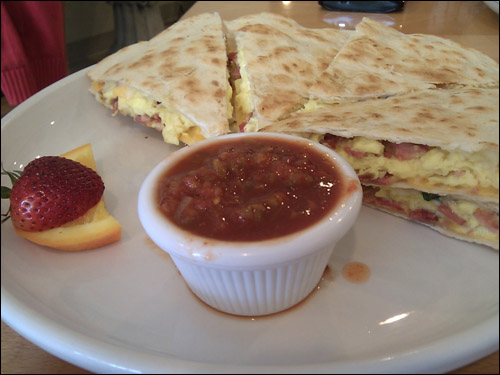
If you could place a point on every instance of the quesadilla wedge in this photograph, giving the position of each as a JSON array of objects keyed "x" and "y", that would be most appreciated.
[
  {"x": 274, "y": 62},
  {"x": 429, "y": 155},
  {"x": 380, "y": 61},
  {"x": 455, "y": 217},
  {"x": 438, "y": 141},
  {"x": 177, "y": 82}
]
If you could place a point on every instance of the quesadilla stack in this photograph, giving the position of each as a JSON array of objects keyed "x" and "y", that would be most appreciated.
[
  {"x": 274, "y": 62},
  {"x": 176, "y": 82},
  {"x": 417, "y": 117},
  {"x": 428, "y": 155}
]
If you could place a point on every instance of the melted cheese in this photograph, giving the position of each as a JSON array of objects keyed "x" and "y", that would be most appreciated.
[
  {"x": 312, "y": 105},
  {"x": 191, "y": 135},
  {"x": 371, "y": 146},
  {"x": 243, "y": 100},
  {"x": 413, "y": 200}
]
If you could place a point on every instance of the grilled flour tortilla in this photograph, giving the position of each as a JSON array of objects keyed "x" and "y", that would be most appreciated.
[
  {"x": 177, "y": 82},
  {"x": 275, "y": 63},
  {"x": 379, "y": 61},
  {"x": 441, "y": 142}
]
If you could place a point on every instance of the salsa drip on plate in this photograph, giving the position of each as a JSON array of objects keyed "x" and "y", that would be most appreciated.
[{"x": 250, "y": 190}]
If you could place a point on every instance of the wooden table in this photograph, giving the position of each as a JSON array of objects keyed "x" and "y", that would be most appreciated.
[{"x": 470, "y": 23}]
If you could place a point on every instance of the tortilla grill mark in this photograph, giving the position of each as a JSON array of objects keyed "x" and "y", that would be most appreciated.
[
  {"x": 262, "y": 30},
  {"x": 179, "y": 40},
  {"x": 145, "y": 62},
  {"x": 171, "y": 69},
  {"x": 480, "y": 72},
  {"x": 114, "y": 69},
  {"x": 220, "y": 93}
]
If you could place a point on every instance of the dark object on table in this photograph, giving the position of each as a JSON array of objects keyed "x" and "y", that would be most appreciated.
[{"x": 363, "y": 6}]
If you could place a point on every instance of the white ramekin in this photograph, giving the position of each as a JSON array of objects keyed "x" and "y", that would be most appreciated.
[{"x": 255, "y": 277}]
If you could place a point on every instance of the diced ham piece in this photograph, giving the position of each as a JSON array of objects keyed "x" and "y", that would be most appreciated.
[
  {"x": 389, "y": 204},
  {"x": 369, "y": 194},
  {"x": 386, "y": 180},
  {"x": 424, "y": 216},
  {"x": 242, "y": 126},
  {"x": 355, "y": 154},
  {"x": 407, "y": 151},
  {"x": 404, "y": 151},
  {"x": 448, "y": 212},
  {"x": 244, "y": 123},
  {"x": 153, "y": 122},
  {"x": 114, "y": 103},
  {"x": 368, "y": 178},
  {"x": 232, "y": 56},
  {"x": 487, "y": 218},
  {"x": 234, "y": 68},
  {"x": 234, "y": 74},
  {"x": 330, "y": 140},
  {"x": 364, "y": 177}
]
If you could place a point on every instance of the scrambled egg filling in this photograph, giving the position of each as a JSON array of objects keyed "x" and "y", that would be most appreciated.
[
  {"x": 436, "y": 166},
  {"x": 243, "y": 100},
  {"x": 413, "y": 200},
  {"x": 312, "y": 105},
  {"x": 174, "y": 126}
]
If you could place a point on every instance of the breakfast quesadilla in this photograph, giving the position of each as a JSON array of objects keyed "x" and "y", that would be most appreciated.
[
  {"x": 177, "y": 82},
  {"x": 455, "y": 217},
  {"x": 274, "y": 62},
  {"x": 443, "y": 142},
  {"x": 380, "y": 61},
  {"x": 416, "y": 116}
]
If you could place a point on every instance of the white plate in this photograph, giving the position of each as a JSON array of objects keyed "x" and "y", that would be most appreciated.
[
  {"x": 493, "y": 5},
  {"x": 430, "y": 305}
]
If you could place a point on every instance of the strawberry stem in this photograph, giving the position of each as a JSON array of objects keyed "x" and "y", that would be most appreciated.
[{"x": 13, "y": 176}]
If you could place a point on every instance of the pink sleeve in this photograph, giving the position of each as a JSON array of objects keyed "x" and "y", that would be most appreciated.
[{"x": 33, "y": 47}]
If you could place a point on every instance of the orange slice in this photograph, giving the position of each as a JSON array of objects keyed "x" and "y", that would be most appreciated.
[{"x": 95, "y": 229}]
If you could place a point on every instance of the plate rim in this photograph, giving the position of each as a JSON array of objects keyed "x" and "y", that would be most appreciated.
[{"x": 91, "y": 354}]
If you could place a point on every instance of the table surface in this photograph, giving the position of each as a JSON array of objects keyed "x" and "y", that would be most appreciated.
[{"x": 470, "y": 23}]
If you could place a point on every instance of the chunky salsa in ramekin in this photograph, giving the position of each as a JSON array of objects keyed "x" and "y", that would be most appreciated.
[{"x": 250, "y": 189}]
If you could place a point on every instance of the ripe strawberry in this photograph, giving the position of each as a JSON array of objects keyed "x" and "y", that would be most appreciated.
[{"x": 53, "y": 191}]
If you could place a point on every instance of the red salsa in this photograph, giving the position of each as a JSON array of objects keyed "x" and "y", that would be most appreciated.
[{"x": 250, "y": 190}]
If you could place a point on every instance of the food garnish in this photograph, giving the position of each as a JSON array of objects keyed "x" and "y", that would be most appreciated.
[
  {"x": 58, "y": 202},
  {"x": 52, "y": 191}
]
